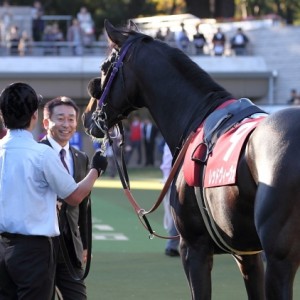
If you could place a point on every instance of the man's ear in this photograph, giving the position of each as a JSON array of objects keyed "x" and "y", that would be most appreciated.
[
  {"x": 35, "y": 115},
  {"x": 46, "y": 123}
]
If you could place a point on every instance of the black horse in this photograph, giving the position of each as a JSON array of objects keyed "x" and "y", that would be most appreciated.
[{"x": 259, "y": 212}]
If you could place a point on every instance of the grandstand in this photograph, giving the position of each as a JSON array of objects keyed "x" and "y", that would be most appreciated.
[{"x": 266, "y": 75}]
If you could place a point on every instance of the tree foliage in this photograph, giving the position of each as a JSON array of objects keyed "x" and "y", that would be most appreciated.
[
  {"x": 288, "y": 10},
  {"x": 119, "y": 11}
]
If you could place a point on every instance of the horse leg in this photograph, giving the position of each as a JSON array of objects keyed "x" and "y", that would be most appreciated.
[
  {"x": 277, "y": 220},
  {"x": 282, "y": 260},
  {"x": 252, "y": 269},
  {"x": 197, "y": 263},
  {"x": 279, "y": 279}
]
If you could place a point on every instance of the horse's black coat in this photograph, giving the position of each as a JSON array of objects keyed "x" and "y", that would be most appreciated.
[{"x": 260, "y": 212}]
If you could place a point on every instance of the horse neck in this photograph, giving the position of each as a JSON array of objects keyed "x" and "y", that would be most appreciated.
[
  {"x": 174, "y": 91},
  {"x": 175, "y": 117}
]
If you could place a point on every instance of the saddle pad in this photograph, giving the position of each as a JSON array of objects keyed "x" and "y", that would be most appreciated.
[{"x": 222, "y": 162}]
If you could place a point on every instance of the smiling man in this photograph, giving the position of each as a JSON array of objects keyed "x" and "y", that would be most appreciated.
[{"x": 60, "y": 122}]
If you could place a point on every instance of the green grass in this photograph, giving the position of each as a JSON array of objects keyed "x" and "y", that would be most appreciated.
[{"x": 137, "y": 268}]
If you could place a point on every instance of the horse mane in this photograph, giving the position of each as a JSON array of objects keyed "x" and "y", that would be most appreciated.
[{"x": 193, "y": 73}]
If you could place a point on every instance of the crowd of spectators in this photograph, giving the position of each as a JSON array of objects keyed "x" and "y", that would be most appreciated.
[
  {"x": 79, "y": 36},
  {"x": 197, "y": 43}
]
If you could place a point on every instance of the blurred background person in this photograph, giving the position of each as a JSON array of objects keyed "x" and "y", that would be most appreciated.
[
  {"x": 239, "y": 42},
  {"x": 171, "y": 248},
  {"x": 25, "y": 44},
  {"x": 150, "y": 132},
  {"x": 38, "y": 24},
  {"x": 135, "y": 139},
  {"x": 182, "y": 39},
  {"x": 293, "y": 95},
  {"x": 75, "y": 35},
  {"x": 218, "y": 41},
  {"x": 6, "y": 20},
  {"x": 86, "y": 23},
  {"x": 13, "y": 39},
  {"x": 199, "y": 41}
]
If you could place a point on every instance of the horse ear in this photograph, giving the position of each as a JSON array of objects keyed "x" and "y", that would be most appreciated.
[
  {"x": 132, "y": 26},
  {"x": 114, "y": 35}
]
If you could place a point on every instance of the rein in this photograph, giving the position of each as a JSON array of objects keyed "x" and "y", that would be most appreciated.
[
  {"x": 142, "y": 213},
  {"x": 122, "y": 170}
]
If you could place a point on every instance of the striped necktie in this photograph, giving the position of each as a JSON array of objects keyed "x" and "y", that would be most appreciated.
[{"x": 62, "y": 155}]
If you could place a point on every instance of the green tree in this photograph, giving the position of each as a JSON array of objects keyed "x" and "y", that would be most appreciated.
[
  {"x": 119, "y": 11},
  {"x": 200, "y": 9},
  {"x": 289, "y": 10}
]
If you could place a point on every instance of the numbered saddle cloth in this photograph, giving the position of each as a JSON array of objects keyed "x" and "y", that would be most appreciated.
[{"x": 219, "y": 158}]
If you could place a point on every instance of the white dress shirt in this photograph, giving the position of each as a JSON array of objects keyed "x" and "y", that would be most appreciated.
[{"x": 31, "y": 178}]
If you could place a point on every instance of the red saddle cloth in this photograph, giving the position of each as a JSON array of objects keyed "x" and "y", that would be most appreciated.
[{"x": 222, "y": 162}]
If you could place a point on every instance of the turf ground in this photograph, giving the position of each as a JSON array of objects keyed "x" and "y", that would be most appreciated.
[{"x": 126, "y": 264}]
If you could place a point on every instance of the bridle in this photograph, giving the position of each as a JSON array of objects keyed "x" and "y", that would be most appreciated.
[
  {"x": 100, "y": 119},
  {"x": 99, "y": 116}
]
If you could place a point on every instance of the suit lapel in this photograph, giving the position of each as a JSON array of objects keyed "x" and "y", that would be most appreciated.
[{"x": 75, "y": 157}]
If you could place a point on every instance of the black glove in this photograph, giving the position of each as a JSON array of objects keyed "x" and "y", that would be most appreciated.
[{"x": 99, "y": 162}]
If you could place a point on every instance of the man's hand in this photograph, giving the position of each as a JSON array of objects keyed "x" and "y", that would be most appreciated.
[{"x": 99, "y": 162}]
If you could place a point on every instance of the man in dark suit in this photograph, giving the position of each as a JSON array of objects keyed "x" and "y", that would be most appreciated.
[
  {"x": 60, "y": 122},
  {"x": 149, "y": 133}
]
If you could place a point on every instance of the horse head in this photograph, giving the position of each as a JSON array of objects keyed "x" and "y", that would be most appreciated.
[
  {"x": 143, "y": 72},
  {"x": 112, "y": 97}
]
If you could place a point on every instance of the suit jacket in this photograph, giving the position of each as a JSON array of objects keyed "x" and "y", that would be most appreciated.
[{"x": 74, "y": 218}]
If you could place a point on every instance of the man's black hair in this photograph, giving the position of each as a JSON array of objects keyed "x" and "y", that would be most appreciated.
[{"x": 18, "y": 102}]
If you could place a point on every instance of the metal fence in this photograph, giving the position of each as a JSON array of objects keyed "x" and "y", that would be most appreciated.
[{"x": 51, "y": 48}]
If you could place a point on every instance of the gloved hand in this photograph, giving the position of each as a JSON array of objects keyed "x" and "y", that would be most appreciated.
[{"x": 99, "y": 162}]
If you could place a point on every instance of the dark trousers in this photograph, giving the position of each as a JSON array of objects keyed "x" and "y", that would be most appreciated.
[
  {"x": 149, "y": 151},
  {"x": 26, "y": 267},
  {"x": 69, "y": 287}
]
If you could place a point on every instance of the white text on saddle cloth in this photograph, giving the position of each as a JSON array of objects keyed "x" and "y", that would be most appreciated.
[{"x": 222, "y": 164}]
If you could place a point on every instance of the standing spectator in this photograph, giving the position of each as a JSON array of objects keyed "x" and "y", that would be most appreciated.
[
  {"x": 58, "y": 36},
  {"x": 60, "y": 122},
  {"x": 87, "y": 25},
  {"x": 218, "y": 41},
  {"x": 149, "y": 134},
  {"x": 239, "y": 42},
  {"x": 13, "y": 39},
  {"x": 38, "y": 24},
  {"x": 6, "y": 19},
  {"x": 199, "y": 41},
  {"x": 28, "y": 219},
  {"x": 25, "y": 44},
  {"x": 75, "y": 36},
  {"x": 296, "y": 100},
  {"x": 172, "y": 244},
  {"x": 170, "y": 37},
  {"x": 135, "y": 139},
  {"x": 182, "y": 39},
  {"x": 159, "y": 35},
  {"x": 49, "y": 38},
  {"x": 292, "y": 96}
]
